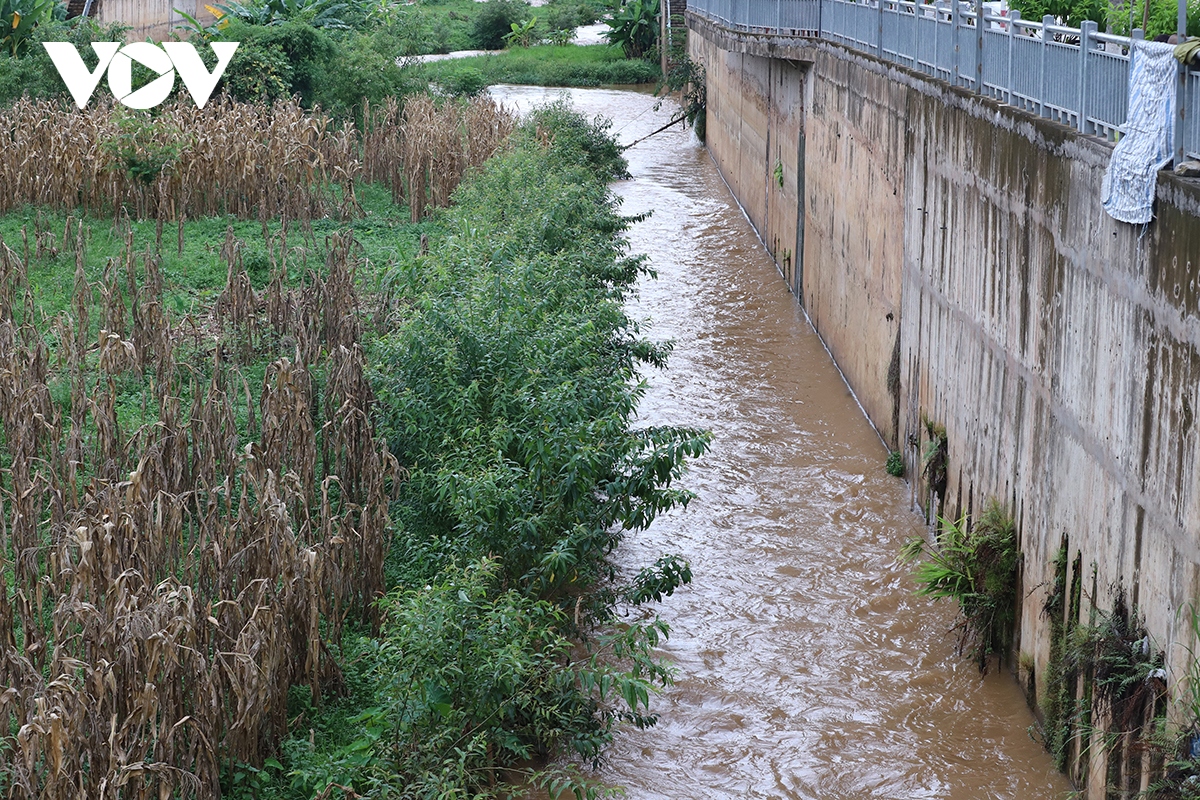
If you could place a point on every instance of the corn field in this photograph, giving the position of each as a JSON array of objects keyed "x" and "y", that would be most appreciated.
[
  {"x": 423, "y": 151},
  {"x": 251, "y": 161},
  {"x": 177, "y": 545}
]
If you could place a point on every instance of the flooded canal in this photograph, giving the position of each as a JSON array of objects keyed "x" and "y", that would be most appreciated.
[{"x": 806, "y": 667}]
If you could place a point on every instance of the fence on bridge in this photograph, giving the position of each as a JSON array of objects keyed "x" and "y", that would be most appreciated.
[{"x": 1077, "y": 76}]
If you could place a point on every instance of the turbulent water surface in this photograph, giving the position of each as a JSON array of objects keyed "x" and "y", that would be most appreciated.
[{"x": 807, "y": 669}]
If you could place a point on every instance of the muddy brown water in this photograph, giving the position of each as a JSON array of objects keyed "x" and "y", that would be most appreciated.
[{"x": 806, "y": 667}]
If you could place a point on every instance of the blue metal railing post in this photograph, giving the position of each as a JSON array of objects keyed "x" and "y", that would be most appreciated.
[
  {"x": 1013, "y": 18},
  {"x": 954, "y": 24},
  {"x": 1181, "y": 88},
  {"x": 1086, "y": 30},
  {"x": 979, "y": 46},
  {"x": 1047, "y": 21},
  {"x": 879, "y": 30}
]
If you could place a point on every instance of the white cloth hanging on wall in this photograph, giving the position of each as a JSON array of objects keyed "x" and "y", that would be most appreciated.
[{"x": 1148, "y": 134}]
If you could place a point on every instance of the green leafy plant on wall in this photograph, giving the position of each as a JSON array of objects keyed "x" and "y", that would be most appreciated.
[
  {"x": 935, "y": 456},
  {"x": 687, "y": 77},
  {"x": 975, "y": 565},
  {"x": 1178, "y": 742}
]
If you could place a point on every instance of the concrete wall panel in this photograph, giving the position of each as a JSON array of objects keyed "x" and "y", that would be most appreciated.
[{"x": 1059, "y": 348}]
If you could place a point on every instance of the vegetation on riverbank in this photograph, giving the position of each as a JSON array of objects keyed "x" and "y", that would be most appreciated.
[
  {"x": 508, "y": 391},
  {"x": 323, "y": 500},
  {"x": 546, "y": 65},
  {"x": 335, "y": 55}
]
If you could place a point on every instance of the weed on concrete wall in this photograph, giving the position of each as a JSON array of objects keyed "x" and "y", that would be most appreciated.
[
  {"x": 1105, "y": 690},
  {"x": 975, "y": 563}
]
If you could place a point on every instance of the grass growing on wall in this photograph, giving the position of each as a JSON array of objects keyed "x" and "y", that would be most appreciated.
[{"x": 973, "y": 562}]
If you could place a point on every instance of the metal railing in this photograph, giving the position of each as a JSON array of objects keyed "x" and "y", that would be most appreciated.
[{"x": 1076, "y": 76}]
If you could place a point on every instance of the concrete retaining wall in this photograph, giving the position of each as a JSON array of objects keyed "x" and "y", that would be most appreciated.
[{"x": 958, "y": 263}]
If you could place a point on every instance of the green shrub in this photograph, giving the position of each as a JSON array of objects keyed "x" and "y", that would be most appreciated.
[
  {"x": 333, "y": 70},
  {"x": 145, "y": 147},
  {"x": 309, "y": 52},
  {"x": 464, "y": 82},
  {"x": 363, "y": 69},
  {"x": 1160, "y": 20},
  {"x": 259, "y": 73},
  {"x": 507, "y": 388},
  {"x": 473, "y": 678},
  {"x": 494, "y": 21},
  {"x": 314, "y": 13},
  {"x": 574, "y": 141},
  {"x": 895, "y": 464}
]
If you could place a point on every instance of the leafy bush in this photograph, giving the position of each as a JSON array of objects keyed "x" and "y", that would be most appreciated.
[
  {"x": 365, "y": 68},
  {"x": 315, "y": 13},
  {"x": 464, "y": 82},
  {"x": 256, "y": 66},
  {"x": 1160, "y": 19},
  {"x": 293, "y": 58},
  {"x": 574, "y": 13},
  {"x": 259, "y": 72},
  {"x": 507, "y": 388},
  {"x": 472, "y": 677},
  {"x": 895, "y": 464},
  {"x": 1071, "y": 12},
  {"x": 145, "y": 147},
  {"x": 494, "y": 21},
  {"x": 33, "y": 74},
  {"x": 574, "y": 141},
  {"x": 976, "y": 566}
]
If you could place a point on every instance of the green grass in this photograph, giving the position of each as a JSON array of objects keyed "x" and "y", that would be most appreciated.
[
  {"x": 194, "y": 276},
  {"x": 545, "y": 65}
]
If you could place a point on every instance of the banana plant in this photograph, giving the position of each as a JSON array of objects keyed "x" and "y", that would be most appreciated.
[
  {"x": 198, "y": 30},
  {"x": 522, "y": 34},
  {"x": 634, "y": 26},
  {"x": 18, "y": 18}
]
